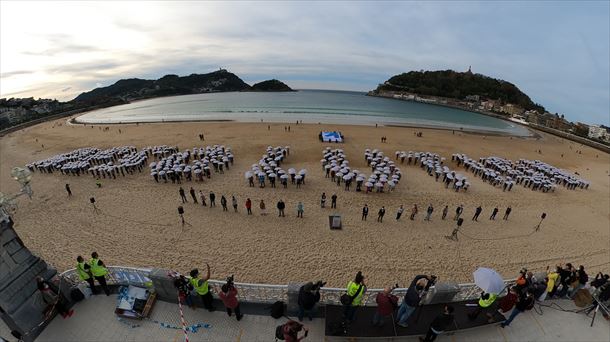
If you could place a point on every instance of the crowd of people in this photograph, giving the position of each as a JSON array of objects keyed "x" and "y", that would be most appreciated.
[
  {"x": 108, "y": 163},
  {"x": 189, "y": 165},
  {"x": 269, "y": 169},
  {"x": 434, "y": 166},
  {"x": 532, "y": 174}
]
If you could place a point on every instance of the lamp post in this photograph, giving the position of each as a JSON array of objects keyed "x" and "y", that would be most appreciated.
[{"x": 7, "y": 202}]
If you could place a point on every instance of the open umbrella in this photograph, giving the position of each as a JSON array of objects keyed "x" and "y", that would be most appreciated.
[{"x": 488, "y": 280}]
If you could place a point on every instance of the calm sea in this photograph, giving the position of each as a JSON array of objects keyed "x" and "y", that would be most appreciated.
[{"x": 311, "y": 106}]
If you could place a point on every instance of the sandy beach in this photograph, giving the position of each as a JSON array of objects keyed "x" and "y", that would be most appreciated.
[{"x": 139, "y": 224}]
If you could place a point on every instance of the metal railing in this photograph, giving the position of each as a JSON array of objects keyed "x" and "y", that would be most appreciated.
[{"x": 264, "y": 293}]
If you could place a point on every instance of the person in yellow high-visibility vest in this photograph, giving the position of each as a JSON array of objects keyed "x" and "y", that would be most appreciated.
[
  {"x": 485, "y": 303},
  {"x": 83, "y": 270},
  {"x": 355, "y": 290},
  {"x": 99, "y": 271},
  {"x": 202, "y": 288}
]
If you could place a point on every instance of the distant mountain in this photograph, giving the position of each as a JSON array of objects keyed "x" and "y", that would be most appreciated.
[
  {"x": 458, "y": 85},
  {"x": 271, "y": 85},
  {"x": 135, "y": 88}
]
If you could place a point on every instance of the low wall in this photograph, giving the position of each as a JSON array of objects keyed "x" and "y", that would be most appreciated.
[{"x": 570, "y": 136}]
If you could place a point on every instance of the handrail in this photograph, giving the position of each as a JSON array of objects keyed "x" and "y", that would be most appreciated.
[{"x": 263, "y": 293}]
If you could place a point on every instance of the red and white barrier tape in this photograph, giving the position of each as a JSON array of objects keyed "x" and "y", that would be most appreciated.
[{"x": 186, "y": 337}]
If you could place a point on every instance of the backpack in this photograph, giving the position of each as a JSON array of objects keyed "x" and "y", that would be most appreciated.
[
  {"x": 277, "y": 309},
  {"x": 279, "y": 332}
]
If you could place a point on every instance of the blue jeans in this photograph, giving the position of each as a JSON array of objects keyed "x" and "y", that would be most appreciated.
[
  {"x": 378, "y": 319},
  {"x": 512, "y": 316},
  {"x": 404, "y": 312}
]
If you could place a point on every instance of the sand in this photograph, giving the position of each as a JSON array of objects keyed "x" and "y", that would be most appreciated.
[{"x": 139, "y": 225}]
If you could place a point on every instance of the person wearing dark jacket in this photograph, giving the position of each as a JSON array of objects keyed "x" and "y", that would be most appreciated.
[
  {"x": 418, "y": 286},
  {"x": 583, "y": 279},
  {"x": 280, "y": 207},
  {"x": 386, "y": 303},
  {"x": 309, "y": 295},
  {"x": 566, "y": 278},
  {"x": 439, "y": 324},
  {"x": 525, "y": 302}
]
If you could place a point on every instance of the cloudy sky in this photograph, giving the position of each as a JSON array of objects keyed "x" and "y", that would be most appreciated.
[{"x": 556, "y": 52}]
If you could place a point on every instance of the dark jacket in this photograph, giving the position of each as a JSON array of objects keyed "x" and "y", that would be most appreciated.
[
  {"x": 412, "y": 297},
  {"x": 442, "y": 322},
  {"x": 307, "y": 299},
  {"x": 281, "y": 205},
  {"x": 525, "y": 303}
]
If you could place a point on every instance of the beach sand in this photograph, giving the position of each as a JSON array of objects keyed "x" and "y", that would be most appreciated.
[{"x": 139, "y": 225}]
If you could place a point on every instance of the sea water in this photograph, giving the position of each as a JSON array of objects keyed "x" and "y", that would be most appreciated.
[{"x": 311, "y": 106}]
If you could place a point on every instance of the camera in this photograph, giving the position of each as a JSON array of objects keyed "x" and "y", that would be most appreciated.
[
  {"x": 180, "y": 210},
  {"x": 230, "y": 280},
  {"x": 182, "y": 284},
  {"x": 319, "y": 284}
]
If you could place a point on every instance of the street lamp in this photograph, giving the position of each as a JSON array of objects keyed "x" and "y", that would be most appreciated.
[{"x": 7, "y": 202}]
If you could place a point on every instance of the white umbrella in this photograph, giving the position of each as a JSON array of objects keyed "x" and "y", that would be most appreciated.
[
  {"x": 292, "y": 171},
  {"x": 488, "y": 280},
  {"x": 284, "y": 177},
  {"x": 368, "y": 184}
]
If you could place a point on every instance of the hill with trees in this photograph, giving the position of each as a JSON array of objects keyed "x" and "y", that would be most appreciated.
[
  {"x": 458, "y": 85},
  {"x": 271, "y": 85}
]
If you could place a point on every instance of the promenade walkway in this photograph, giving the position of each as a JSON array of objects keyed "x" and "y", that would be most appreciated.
[{"x": 94, "y": 320}]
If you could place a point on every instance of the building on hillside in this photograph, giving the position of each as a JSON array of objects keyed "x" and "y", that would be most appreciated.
[
  {"x": 473, "y": 98},
  {"x": 511, "y": 109},
  {"x": 599, "y": 132}
]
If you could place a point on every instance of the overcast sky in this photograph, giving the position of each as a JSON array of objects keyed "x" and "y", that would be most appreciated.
[{"x": 556, "y": 52}]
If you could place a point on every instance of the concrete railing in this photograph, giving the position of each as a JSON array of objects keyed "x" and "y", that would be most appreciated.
[{"x": 264, "y": 293}]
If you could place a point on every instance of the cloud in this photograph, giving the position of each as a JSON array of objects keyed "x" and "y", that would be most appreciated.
[
  {"x": 15, "y": 73},
  {"x": 66, "y": 89}
]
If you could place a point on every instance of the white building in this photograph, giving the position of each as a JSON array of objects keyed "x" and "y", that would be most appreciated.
[{"x": 598, "y": 132}]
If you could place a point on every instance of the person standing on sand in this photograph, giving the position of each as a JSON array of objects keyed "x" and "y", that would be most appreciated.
[
  {"x": 399, "y": 212},
  {"x": 223, "y": 203},
  {"x": 365, "y": 212},
  {"x": 333, "y": 201},
  {"x": 249, "y": 206},
  {"x": 445, "y": 211},
  {"x": 477, "y": 213},
  {"x": 380, "y": 214},
  {"x": 506, "y": 213},
  {"x": 323, "y": 200},
  {"x": 458, "y": 212},
  {"x": 202, "y": 197},
  {"x": 263, "y": 208},
  {"x": 413, "y": 212},
  {"x": 182, "y": 195},
  {"x": 300, "y": 209},
  {"x": 212, "y": 199},
  {"x": 234, "y": 202},
  {"x": 429, "y": 212},
  {"x": 493, "y": 214},
  {"x": 280, "y": 208},
  {"x": 68, "y": 190},
  {"x": 192, "y": 191}
]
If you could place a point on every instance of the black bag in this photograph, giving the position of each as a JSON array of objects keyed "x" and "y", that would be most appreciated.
[
  {"x": 347, "y": 299},
  {"x": 76, "y": 295},
  {"x": 279, "y": 332},
  {"x": 277, "y": 309}
]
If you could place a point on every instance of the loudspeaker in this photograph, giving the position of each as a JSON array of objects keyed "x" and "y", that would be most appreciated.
[
  {"x": 180, "y": 210},
  {"x": 543, "y": 216},
  {"x": 334, "y": 221},
  {"x": 92, "y": 200},
  {"x": 460, "y": 222}
]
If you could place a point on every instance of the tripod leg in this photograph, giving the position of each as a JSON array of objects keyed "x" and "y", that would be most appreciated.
[{"x": 594, "y": 314}]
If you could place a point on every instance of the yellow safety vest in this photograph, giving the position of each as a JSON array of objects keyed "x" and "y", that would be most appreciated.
[
  {"x": 352, "y": 288},
  {"x": 201, "y": 290},
  {"x": 96, "y": 269},
  {"x": 484, "y": 303},
  {"x": 82, "y": 273}
]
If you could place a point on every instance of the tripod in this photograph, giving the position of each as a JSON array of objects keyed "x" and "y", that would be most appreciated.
[
  {"x": 95, "y": 209},
  {"x": 539, "y": 223},
  {"x": 184, "y": 221}
]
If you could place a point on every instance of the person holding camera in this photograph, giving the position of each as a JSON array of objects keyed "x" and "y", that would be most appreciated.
[
  {"x": 386, "y": 304},
  {"x": 228, "y": 295},
  {"x": 355, "y": 292},
  {"x": 415, "y": 292},
  {"x": 202, "y": 288},
  {"x": 309, "y": 295}
]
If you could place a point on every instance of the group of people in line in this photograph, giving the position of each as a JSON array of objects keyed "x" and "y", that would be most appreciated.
[
  {"x": 459, "y": 210},
  {"x": 199, "y": 197},
  {"x": 189, "y": 165}
]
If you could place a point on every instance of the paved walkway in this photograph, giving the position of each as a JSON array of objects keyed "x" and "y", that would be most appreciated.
[{"x": 94, "y": 320}]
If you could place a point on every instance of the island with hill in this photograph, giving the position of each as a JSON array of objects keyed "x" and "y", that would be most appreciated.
[{"x": 271, "y": 85}]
